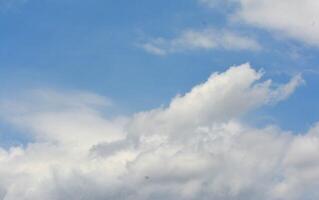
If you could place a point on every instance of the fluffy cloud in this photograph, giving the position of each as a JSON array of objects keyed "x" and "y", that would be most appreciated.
[
  {"x": 204, "y": 39},
  {"x": 195, "y": 148},
  {"x": 292, "y": 18}
]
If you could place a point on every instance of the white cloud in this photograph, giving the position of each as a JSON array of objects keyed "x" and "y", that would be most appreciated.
[
  {"x": 204, "y": 39},
  {"x": 196, "y": 148},
  {"x": 292, "y": 18},
  {"x": 52, "y": 116}
]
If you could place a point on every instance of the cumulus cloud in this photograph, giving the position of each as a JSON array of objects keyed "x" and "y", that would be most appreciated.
[
  {"x": 195, "y": 148},
  {"x": 292, "y": 18},
  {"x": 201, "y": 40}
]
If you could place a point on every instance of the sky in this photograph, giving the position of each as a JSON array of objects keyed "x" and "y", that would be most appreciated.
[{"x": 161, "y": 99}]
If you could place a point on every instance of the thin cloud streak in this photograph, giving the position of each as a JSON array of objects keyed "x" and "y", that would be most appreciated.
[{"x": 207, "y": 39}]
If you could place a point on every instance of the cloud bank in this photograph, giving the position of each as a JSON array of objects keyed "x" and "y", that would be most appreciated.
[
  {"x": 197, "y": 147},
  {"x": 207, "y": 39}
]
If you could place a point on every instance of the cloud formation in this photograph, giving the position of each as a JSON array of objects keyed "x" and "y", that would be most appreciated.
[
  {"x": 206, "y": 39},
  {"x": 195, "y": 148},
  {"x": 291, "y": 18}
]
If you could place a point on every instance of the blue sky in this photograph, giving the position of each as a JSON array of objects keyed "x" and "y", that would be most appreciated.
[
  {"x": 94, "y": 46},
  {"x": 95, "y": 67}
]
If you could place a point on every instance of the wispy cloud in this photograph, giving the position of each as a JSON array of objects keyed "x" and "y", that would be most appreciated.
[
  {"x": 291, "y": 18},
  {"x": 206, "y": 39}
]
